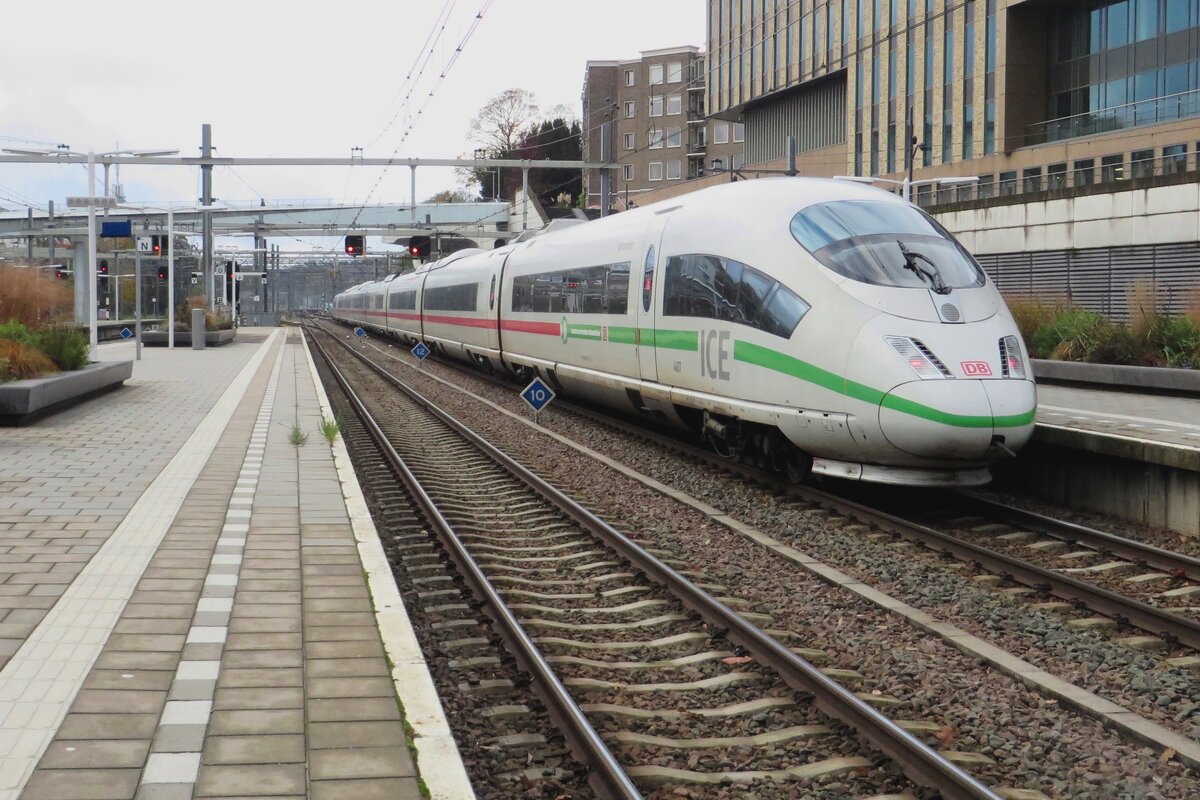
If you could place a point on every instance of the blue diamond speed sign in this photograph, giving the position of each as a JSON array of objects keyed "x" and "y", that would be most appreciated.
[
  {"x": 421, "y": 351},
  {"x": 359, "y": 332},
  {"x": 537, "y": 394},
  {"x": 126, "y": 333}
]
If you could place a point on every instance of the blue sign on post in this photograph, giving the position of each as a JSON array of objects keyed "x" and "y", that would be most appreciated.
[
  {"x": 421, "y": 351},
  {"x": 116, "y": 230},
  {"x": 537, "y": 395},
  {"x": 359, "y": 332},
  {"x": 126, "y": 333}
]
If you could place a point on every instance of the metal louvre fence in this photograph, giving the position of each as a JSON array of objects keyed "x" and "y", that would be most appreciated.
[{"x": 1101, "y": 279}]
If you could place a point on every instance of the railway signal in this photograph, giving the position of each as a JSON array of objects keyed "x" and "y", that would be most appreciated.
[
  {"x": 355, "y": 245},
  {"x": 420, "y": 246}
]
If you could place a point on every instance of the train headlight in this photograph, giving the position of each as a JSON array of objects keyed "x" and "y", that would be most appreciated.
[
  {"x": 919, "y": 357},
  {"x": 1011, "y": 363}
]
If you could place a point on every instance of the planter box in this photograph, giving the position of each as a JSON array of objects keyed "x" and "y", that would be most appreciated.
[
  {"x": 25, "y": 401},
  {"x": 1112, "y": 376},
  {"x": 184, "y": 338}
]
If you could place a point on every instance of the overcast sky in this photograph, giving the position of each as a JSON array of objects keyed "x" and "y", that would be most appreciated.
[{"x": 291, "y": 78}]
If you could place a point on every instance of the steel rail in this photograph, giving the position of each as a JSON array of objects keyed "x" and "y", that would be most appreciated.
[
  {"x": 922, "y": 764},
  {"x": 606, "y": 776},
  {"x": 1138, "y": 552}
]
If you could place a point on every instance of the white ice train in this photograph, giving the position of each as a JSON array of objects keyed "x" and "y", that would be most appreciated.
[{"x": 814, "y": 324}]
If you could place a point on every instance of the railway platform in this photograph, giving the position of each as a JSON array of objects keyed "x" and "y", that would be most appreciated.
[
  {"x": 1121, "y": 449},
  {"x": 195, "y": 604}
]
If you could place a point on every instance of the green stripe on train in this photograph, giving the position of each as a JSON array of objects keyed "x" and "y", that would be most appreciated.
[{"x": 759, "y": 356}]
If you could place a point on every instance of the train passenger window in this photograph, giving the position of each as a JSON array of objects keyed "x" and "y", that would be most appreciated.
[
  {"x": 403, "y": 301},
  {"x": 462, "y": 297},
  {"x": 752, "y": 296},
  {"x": 783, "y": 312},
  {"x": 617, "y": 289},
  {"x": 865, "y": 240},
  {"x": 492, "y": 293},
  {"x": 648, "y": 279}
]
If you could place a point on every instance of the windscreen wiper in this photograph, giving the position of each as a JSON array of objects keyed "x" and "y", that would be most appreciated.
[{"x": 930, "y": 273}]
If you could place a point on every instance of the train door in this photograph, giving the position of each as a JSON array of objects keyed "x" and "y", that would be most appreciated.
[{"x": 646, "y": 311}]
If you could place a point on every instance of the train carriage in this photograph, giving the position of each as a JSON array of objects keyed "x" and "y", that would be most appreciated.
[{"x": 458, "y": 305}]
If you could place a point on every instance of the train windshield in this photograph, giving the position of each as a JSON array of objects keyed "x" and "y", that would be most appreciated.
[{"x": 886, "y": 244}]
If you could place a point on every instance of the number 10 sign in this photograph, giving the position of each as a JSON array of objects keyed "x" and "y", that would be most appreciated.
[{"x": 537, "y": 395}]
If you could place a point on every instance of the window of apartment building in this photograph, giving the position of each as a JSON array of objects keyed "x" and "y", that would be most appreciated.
[
  {"x": 963, "y": 192},
  {"x": 630, "y": 141},
  {"x": 654, "y": 171},
  {"x": 656, "y": 105},
  {"x": 674, "y": 104},
  {"x": 738, "y": 160},
  {"x": 1008, "y": 183},
  {"x": 1085, "y": 172},
  {"x": 628, "y": 171},
  {"x": 630, "y": 109},
  {"x": 674, "y": 170},
  {"x": 945, "y": 194},
  {"x": 739, "y": 131},
  {"x": 1112, "y": 168},
  {"x": 1032, "y": 179},
  {"x": 656, "y": 139},
  {"x": 721, "y": 133},
  {"x": 656, "y": 75},
  {"x": 675, "y": 72},
  {"x": 1056, "y": 176},
  {"x": 674, "y": 137},
  {"x": 629, "y": 79},
  {"x": 1141, "y": 163},
  {"x": 1177, "y": 15},
  {"x": 1174, "y": 159},
  {"x": 986, "y": 186},
  {"x": 924, "y": 194}
]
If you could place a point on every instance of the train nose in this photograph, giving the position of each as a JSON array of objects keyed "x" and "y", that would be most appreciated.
[{"x": 957, "y": 419}]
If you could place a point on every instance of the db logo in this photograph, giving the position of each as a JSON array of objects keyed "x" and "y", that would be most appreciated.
[{"x": 976, "y": 368}]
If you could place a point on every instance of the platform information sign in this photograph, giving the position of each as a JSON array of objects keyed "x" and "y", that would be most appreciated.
[
  {"x": 537, "y": 395},
  {"x": 126, "y": 333},
  {"x": 421, "y": 351},
  {"x": 359, "y": 332}
]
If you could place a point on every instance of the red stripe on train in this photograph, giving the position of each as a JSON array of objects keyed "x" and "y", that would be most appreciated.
[
  {"x": 522, "y": 326},
  {"x": 466, "y": 322}
]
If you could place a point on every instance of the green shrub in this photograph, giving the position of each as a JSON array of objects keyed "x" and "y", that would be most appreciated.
[
  {"x": 14, "y": 330},
  {"x": 1076, "y": 334},
  {"x": 66, "y": 347},
  {"x": 1177, "y": 339}
]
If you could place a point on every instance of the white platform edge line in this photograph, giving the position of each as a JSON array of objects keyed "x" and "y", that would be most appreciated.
[
  {"x": 1128, "y": 722},
  {"x": 129, "y": 549},
  {"x": 1103, "y": 414},
  {"x": 438, "y": 761}
]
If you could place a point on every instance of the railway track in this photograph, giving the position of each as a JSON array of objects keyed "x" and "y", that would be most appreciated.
[
  {"x": 1037, "y": 555},
  {"x": 616, "y": 641}
]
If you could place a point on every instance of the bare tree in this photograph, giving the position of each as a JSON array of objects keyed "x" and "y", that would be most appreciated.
[{"x": 499, "y": 125}]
